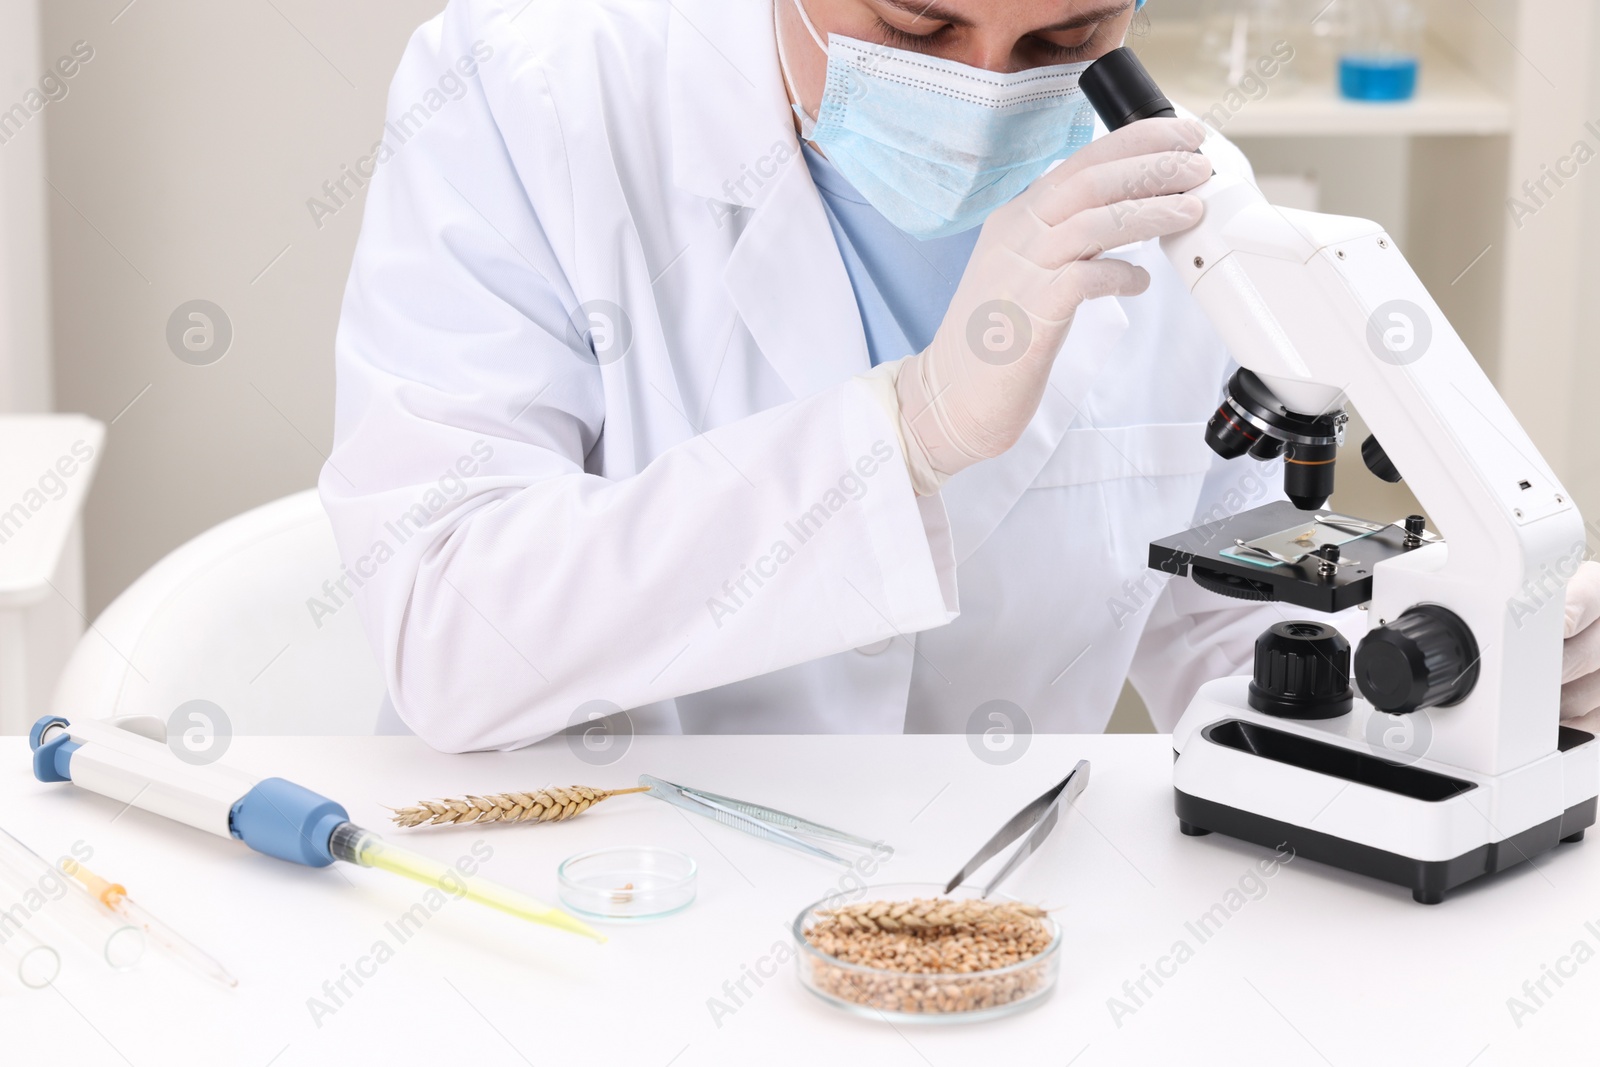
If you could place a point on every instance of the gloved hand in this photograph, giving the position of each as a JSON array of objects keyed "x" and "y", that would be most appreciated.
[
  {"x": 1580, "y": 654},
  {"x": 972, "y": 392}
]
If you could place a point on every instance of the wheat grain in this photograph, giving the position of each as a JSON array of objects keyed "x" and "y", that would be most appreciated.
[
  {"x": 556, "y": 803},
  {"x": 925, "y": 914}
]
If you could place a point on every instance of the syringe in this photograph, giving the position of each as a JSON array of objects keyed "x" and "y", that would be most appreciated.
[
  {"x": 129, "y": 761},
  {"x": 114, "y": 898}
]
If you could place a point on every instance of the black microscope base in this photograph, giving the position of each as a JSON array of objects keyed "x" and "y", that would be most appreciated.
[{"x": 1428, "y": 880}]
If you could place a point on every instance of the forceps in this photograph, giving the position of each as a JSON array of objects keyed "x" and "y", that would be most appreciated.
[
  {"x": 1036, "y": 820},
  {"x": 769, "y": 824}
]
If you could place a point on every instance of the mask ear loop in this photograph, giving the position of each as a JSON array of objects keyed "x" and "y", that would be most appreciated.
[
  {"x": 807, "y": 122},
  {"x": 810, "y": 27}
]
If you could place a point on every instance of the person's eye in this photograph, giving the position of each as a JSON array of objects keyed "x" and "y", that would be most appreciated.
[
  {"x": 919, "y": 42},
  {"x": 1071, "y": 53}
]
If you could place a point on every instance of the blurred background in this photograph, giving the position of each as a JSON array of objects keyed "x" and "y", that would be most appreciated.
[{"x": 198, "y": 151}]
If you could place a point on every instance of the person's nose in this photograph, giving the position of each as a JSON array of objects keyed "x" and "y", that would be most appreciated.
[{"x": 996, "y": 52}]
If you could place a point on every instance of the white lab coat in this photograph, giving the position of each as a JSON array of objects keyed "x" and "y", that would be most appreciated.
[{"x": 714, "y": 527}]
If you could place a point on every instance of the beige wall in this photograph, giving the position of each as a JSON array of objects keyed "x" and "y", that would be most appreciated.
[
  {"x": 24, "y": 316},
  {"x": 1583, "y": 401},
  {"x": 184, "y": 154}
]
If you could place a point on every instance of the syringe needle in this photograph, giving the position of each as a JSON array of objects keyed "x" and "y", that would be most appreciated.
[{"x": 116, "y": 899}]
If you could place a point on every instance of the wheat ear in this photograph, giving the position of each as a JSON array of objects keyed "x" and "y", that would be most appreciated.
[{"x": 553, "y": 804}]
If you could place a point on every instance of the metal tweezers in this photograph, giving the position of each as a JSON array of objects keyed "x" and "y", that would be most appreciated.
[
  {"x": 769, "y": 824},
  {"x": 1036, "y": 820}
]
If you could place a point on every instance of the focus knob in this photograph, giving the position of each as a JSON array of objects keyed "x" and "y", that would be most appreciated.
[
  {"x": 1425, "y": 658},
  {"x": 1302, "y": 671},
  {"x": 1378, "y": 461}
]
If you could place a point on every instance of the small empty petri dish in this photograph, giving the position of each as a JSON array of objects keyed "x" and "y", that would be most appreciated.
[{"x": 628, "y": 883}]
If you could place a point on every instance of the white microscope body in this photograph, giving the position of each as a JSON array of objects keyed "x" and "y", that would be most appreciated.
[{"x": 1322, "y": 309}]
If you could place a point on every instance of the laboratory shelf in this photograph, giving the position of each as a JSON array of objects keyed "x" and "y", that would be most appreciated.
[{"x": 1449, "y": 100}]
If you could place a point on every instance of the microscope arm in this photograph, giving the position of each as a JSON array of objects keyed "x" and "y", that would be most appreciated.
[{"x": 1324, "y": 308}]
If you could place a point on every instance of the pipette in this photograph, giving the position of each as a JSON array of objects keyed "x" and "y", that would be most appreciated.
[
  {"x": 128, "y": 760},
  {"x": 116, "y": 900}
]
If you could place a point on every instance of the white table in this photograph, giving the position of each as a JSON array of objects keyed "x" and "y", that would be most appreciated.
[{"x": 1323, "y": 968}]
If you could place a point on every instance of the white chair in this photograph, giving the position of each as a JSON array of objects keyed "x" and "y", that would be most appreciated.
[
  {"x": 47, "y": 463},
  {"x": 227, "y": 618}
]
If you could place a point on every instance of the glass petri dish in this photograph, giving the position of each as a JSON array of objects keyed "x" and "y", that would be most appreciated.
[
  {"x": 628, "y": 883},
  {"x": 927, "y": 998}
]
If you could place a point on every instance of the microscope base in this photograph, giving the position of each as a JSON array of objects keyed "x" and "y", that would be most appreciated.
[
  {"x": 1330, "y": 790},
  {"x": 1428, "y": 880}
]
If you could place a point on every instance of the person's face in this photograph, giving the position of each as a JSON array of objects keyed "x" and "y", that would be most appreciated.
[{"x": 998, "y": 35}]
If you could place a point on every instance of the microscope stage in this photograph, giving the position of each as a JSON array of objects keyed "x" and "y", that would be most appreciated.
[{"x": 1207, "y": 553}]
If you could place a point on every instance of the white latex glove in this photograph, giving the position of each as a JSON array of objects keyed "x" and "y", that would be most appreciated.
[
  {"x": 1580, "y": 654},
  {"x": 972, "y": 392}
]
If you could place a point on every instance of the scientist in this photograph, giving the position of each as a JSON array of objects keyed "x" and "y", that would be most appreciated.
[{"x": 748, "y": 366}]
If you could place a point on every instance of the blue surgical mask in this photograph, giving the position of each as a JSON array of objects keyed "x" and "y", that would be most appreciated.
[{"x": 934, "y": 145}]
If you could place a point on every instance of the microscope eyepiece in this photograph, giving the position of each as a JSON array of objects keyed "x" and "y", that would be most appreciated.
[{"x": 1121, "y": 91}]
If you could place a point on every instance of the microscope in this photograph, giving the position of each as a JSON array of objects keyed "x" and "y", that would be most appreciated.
[{"x": 1434, "y": 753}]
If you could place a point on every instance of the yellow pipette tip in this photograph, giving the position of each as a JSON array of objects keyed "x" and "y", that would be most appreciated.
[
  {"x": 561, "y": 920},
  {"x": 370, "y": 850}
]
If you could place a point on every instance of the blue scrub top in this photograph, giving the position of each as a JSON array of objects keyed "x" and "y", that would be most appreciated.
[{"x": 903, "y": 286}]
